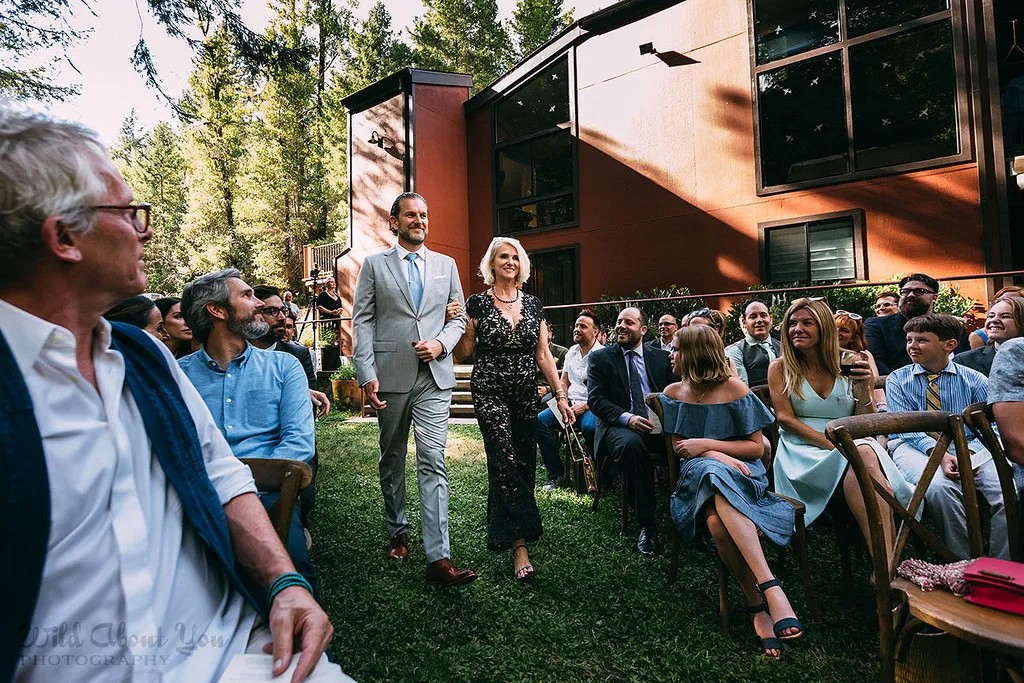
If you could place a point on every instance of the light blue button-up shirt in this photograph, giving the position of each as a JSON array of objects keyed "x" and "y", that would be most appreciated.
[{"x": 260, "y": 403}]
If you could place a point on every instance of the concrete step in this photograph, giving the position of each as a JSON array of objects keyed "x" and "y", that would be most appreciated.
[
  {"x": 462, "y": 411},
  {"x": 462, "y": 398}
]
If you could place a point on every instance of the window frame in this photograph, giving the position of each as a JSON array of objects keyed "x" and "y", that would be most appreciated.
[
  {"x": 573, "y": 131},
  {"x": 843, "y": 45},
  {"x": 857, "y": 216}
]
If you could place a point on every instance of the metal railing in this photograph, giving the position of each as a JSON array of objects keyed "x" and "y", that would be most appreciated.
[
  {"x": 781, "y": 290},
  {"x": 325, "y": 255}
]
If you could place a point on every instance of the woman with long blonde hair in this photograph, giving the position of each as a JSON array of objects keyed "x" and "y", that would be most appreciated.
[
  {"x": 809, "y": 389},
  {"x": 716, "y": 424}
]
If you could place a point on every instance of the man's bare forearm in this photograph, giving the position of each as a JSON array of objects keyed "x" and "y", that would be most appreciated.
[{"x": 257, "y": 548}]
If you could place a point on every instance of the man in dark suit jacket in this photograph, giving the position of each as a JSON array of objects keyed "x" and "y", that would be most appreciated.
[
  {"x": 979, "y": 359},
  {"x": 887, "y": 341},
  {"x": 618, "y": 378}
]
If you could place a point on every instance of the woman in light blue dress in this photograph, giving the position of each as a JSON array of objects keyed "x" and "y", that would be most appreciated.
[
  {"x": 716, "y": 424},
  {"x": 808, "y": 390}
]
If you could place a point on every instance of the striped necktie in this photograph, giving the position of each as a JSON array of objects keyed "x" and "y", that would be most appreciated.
[{"x": 932, "y": 400}]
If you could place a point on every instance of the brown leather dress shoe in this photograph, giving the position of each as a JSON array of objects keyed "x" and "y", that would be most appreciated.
[
  {"x": 443, "y": 573},
  {"x": 399, "y": 549}
]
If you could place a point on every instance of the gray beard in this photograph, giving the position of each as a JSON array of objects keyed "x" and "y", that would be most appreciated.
[{"x": 249, "y": 329}]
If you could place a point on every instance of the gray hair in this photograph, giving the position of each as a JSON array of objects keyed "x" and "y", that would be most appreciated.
[
  {"x": 487, "y": 262},
  {"x": 211, "y": 288},
  {"x": 47, "y": 168}
]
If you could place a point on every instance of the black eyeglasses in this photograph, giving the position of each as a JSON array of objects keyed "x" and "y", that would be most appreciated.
[
  {"x": 916, "y": 291},
  {"x": 137, "y": 214},
  {"x": 273, "y": 311}
]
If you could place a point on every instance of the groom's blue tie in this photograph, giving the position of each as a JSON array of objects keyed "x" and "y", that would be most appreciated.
[{"x": 415, "y": 281}]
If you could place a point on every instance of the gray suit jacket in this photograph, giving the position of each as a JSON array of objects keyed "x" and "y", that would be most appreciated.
[{"x": 385, "y": 325}]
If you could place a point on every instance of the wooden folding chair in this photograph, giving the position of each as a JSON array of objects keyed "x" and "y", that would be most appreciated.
[
  {"x": 799, "y": 539},
  {"x": 286, "y": 477},
  {"x": 905, "y": 609},
  {"x": 978, "y": 417}
]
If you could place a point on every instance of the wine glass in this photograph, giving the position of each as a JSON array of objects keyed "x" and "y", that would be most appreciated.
[{"x": 847, "y": 359}]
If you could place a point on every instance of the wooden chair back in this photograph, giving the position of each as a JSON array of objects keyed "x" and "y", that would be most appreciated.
[
  {"x": 949, "y": 426},
  {"x": 978, "y": 416},
  {"x": 286, "y": 477}
]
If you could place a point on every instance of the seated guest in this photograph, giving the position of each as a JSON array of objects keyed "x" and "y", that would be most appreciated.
[
  {"x": 619, "y": 376},
  {"x": 809, "y": 390},
  {"x": 289, "y": 303},
  {"x": 259, "y": 399},
  {"x": 1004, "y": 321},
  {"x": 574, "y": 382},
  {"x": 974, "y": 324},
  {"x": 275, "y": 314},
  {"x": 1006, "y": 395},
  {"x": 934, "y": 382},
  {"x": 887, "y": 303},
  {"x": 850, "y": 330},
  {"x": 179, "y": 334},
  {"x": 139, "y": 311},
  {"x": 289, "y": 329},
  {"x": 667, "y": 326},
  {"x": 705, "y": 316},
  {"x": 886, "y": 338},
  {"x": 124, "y": 512},
  {"x": 757, "y": 349},
  {"x": 716, "y": 426}
]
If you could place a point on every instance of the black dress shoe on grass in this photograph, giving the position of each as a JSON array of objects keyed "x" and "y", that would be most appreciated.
[
  {"x": 554, "y": 483},
  {"x": 647, "y": 542}
]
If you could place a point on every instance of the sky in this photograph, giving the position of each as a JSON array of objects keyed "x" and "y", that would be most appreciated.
[{"x": 110, "y": 87}]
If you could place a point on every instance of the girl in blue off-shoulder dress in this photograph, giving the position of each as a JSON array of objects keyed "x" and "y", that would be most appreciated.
[{"x": 715, "y": 425}]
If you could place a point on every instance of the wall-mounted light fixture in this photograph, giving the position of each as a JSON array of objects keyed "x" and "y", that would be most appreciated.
[
  {"x": 385, "y": 143},
  {"x": 671, "y": 58}
]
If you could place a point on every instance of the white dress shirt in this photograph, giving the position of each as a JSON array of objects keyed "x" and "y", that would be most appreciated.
[
  {"x": 576, "y": 369},
  {"x": 128, "y": 592},
  {"x": 420, "y": 261}
]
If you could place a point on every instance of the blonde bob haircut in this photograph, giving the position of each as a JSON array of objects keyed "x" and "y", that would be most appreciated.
[
  {"x": 487, "y": 262},
  {"x": 702, "y": 356},
  {"x": 794, "y": 365}
]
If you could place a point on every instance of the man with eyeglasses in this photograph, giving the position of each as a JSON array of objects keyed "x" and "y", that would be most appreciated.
[
  {"x": 667, "y": 326},
  {"x": 887, "y": 341},
  {"x": 123, "y": 504},
  {"x": 887, "y": 303},
  {"x": 274, "y": 313}
]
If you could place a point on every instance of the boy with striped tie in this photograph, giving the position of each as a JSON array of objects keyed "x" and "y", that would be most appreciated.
[{"x": 934, "y": 382}]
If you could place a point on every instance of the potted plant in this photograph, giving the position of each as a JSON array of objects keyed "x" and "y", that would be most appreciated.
[{"x": 345, "y": 387}]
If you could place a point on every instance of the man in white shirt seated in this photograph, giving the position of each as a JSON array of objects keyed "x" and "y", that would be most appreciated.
[
  {"x": 574, "y": 382},
  {"x": 143, "y": 551},
  {"x": 757, "y": 349}
]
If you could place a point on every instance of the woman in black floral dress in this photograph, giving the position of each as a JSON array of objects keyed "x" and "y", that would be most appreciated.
[{"x": 504, "y": 328}]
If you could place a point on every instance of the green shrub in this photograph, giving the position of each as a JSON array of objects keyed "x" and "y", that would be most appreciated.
[
  {"x": 652, "y": 309},
  {"x": 344, "y": 371}
]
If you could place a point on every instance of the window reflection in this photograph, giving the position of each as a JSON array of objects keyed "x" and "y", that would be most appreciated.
[
  {"x": 865, "y": 16},
  {"x": 783, "y": 28},
  {"x": 803, "y": 121}
]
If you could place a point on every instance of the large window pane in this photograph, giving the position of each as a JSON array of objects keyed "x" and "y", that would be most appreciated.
[
  {"x": 542, "y": 103},
  {"x": 830, "y": 244},
  {"x": 904, "y": 97},
  {"x": 789, "y": 27},
  {"x": 787, "y": 254},
  {"x": 865, "y": 16},
  {"x": 542, "y": 214},
  {"x": 803, "y": 121},
  {"x": 539, "y": 167}
]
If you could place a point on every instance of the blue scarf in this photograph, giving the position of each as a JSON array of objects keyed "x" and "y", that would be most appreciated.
[{"x": 25, "y": 490}]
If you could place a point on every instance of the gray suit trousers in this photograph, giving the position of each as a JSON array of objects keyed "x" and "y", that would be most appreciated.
[{"x": 426, "y": 407}]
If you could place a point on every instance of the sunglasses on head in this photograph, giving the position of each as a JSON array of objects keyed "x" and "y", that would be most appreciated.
[{"x": 848, "y": 314}]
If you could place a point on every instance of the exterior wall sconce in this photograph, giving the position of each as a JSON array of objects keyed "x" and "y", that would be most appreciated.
[
  {"x": 671, "y": 58},
  {"x": 385, "y": 143}
]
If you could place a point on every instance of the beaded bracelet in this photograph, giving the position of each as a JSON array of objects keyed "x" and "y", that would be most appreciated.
[{"x": 286, "y": 580}]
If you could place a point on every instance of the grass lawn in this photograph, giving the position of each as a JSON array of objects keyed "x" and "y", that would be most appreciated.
[{"x": 595, "y": 611}]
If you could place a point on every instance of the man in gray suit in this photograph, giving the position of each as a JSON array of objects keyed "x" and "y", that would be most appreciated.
[{"x": 403, "y": 363}]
